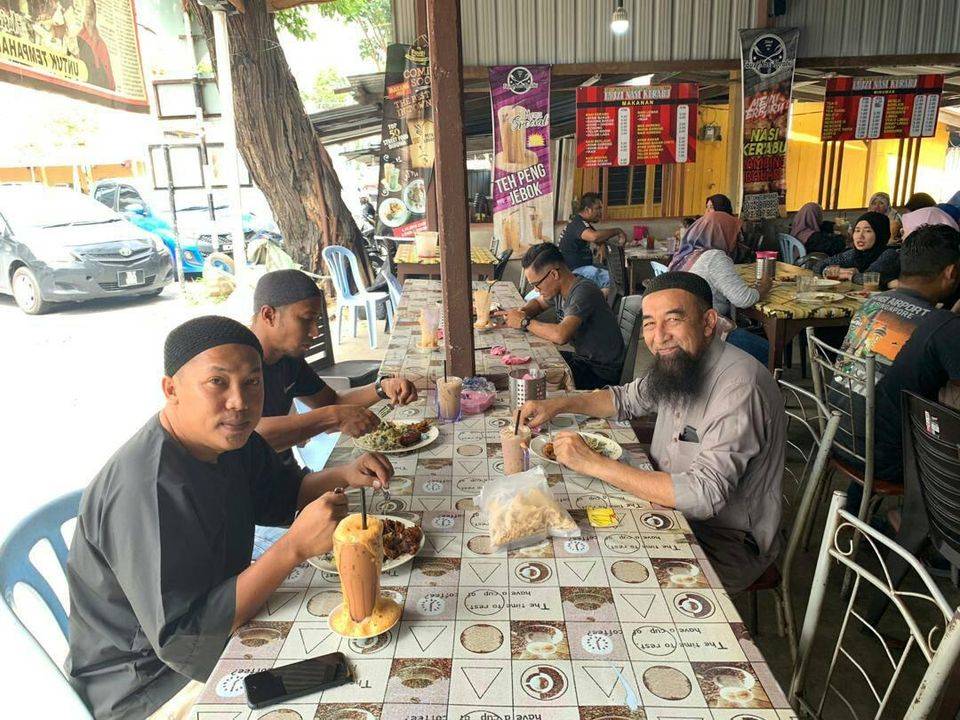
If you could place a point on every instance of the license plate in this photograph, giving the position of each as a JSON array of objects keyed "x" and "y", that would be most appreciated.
[
  {"x": 226, "y": 247},
  {"x": 129, "y": 278}
]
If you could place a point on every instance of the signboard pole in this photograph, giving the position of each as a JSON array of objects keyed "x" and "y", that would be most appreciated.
[
  {"x": 171, "y": 195},
  {"x": 230, "y": 159}
]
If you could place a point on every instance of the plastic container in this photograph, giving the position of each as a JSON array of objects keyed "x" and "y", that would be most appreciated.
[{"x": 477, "y": 396}]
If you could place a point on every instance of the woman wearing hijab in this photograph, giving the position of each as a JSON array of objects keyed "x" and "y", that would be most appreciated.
[
  {"x": 952, "y": 210},
  {"x": 869, "y": 253},
  {"x": 807, "y": 229},
  {"x": 708, "y": 250},
  {"x": 880, "y": 202},
  {"x": 719, "y": 203},
  {"x": 927, "y": 216}
]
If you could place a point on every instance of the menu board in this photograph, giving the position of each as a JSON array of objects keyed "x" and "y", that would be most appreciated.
[
  {"x": 881, "y": 108},
  {"x": 637, "y": 124},
  {"x": 406, "y": 141}
]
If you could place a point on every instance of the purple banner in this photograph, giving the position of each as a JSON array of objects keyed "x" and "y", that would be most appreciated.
[{"x": 522, "y": 182}]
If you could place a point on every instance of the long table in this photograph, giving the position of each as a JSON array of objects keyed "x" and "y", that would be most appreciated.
[
  {"x": 571, "y": 629},
  {"x": 405, "y": 357},
  {"x": 408, "y": 262},
  {"x": 783, "y": 317}
]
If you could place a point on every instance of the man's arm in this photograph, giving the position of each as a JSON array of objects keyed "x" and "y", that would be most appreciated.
[
  {"x": 370, "y": 470},
  {"x": 598, "y": 403},
  {"x": 285, "y": 431},
  {"x": 600, "y": 237},
  {"x": 654, "y": 486},
  {"x": 558, "y": 333}
]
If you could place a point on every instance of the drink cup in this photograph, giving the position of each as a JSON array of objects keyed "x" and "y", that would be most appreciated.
[
  {"x": 871, "y": 281},
  {"x": 358, "y": 553},
  {"x": 429, "y": 321},
  {"x": 481, "y": 301},
  {"x": 514, "y": 452},
  {"x": 448, "y": 398}
]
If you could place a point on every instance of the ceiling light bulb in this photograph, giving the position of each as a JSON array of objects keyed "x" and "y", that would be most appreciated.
[{"x": 619, "y": 23}]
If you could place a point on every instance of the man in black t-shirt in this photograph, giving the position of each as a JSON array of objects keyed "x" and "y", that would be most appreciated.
[
  {"x": 579, "y": 237},
  {"x": 585, "y": 318}
]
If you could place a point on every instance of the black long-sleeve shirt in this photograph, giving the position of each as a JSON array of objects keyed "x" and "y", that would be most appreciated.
[{"x": 888, "y": 265}]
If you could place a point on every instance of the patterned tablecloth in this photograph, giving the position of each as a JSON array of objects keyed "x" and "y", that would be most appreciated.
[
  {"x": 781, "y": 301},
  {"x": 661, "y": 251},
  {"x": 577, "y": 629},
  {"x": 405, "y": 357},
  {"x": 407, "y": 253}
]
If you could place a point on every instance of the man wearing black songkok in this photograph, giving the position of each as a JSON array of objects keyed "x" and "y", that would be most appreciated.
[{"x": 159, "y": 569}]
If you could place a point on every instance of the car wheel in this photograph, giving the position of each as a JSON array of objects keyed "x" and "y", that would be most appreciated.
[
  {"x": 220, "y": 261},
  {"x": 26, "y": 291}
]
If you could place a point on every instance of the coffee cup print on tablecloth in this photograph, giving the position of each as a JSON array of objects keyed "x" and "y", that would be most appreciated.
[
  {"x": 679, "y": 574},
  {"x": 436, "y": 571},
  {"x": 595, "y": 712},
  {"x": 419, "y": 681},
  {"x": 342, "y": 711},
  {"x": 481, "y": 638},
  {"x": 588, "y": 604},
  {"x": 538, "y": 641},
  {"x": 258, "y": 639},
  {"x": 731, "y": 685}
]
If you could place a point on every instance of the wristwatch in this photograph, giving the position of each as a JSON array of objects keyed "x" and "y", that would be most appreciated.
[
  {"x": 378, "y": 386},
  {"x": 525, "y": 324}
]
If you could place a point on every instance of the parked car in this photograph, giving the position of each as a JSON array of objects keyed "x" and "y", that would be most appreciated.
[
  {"x": 57, "y": 245},
  {"x": 200, "y": 236}
]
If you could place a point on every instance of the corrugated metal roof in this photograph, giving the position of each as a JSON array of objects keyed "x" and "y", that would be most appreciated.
[{"x": 576, "y": 31}]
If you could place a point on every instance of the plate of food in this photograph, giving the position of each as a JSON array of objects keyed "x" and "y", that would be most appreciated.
[
  {"x": 415, "y": 197},
  {"x": 542, "y": 446},
  {"x": 395, "y": 437},
  {"x": 393, "y": 213},
  {"x": 825, "y": 282},
  {"x": 861, "y": 294},
  {"x": 402, "y": 541},
  {"x": 818, "y": 298}
]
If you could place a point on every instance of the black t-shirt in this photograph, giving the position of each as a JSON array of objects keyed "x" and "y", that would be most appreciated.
[
  {"x": 160, "y": 539},
  {"x": 598, "y": 339},
  {"x": 928, "y": 360},
  {"x": 576, "y": 251},
  {"x": 286, "y": 379}
]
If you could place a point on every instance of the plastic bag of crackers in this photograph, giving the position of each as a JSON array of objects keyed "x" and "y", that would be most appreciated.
[{"x": 520, "y": 510}]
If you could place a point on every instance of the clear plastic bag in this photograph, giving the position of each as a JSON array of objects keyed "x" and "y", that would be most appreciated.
[{"x": 521, "y": 511}]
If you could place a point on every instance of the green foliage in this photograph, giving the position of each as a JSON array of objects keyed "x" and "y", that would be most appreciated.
[
  {"x": 322, "y": 95},
  {"x": 373, "y": 17},
  {"x": 294, "y": 21}
]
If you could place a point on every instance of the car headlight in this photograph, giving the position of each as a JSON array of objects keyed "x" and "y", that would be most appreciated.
[{"x": 56, "y": 255}]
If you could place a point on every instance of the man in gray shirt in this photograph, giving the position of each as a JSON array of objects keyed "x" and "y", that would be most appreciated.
[
  {"x": 585, "y": 319},
  {"x": 718, "y": 445}
]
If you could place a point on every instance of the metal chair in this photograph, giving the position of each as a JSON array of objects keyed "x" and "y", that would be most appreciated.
[
  {"x": 16, "y": 569},
  {"x": 501, "y": 265},
  {"x": 344, "y": 270},
  {"x": 839, "y": 546},
  {"x": 791, "y": 250},
  {"x": 658, "y": 268},
  {"x": 617, "y": 267},
  {"x": 494, "y": 245},
  {"x": 320, "y": 356},
  {"x": 628, "y": 320}
]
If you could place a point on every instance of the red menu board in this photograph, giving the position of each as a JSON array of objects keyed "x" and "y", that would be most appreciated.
[
  {"x": 637, "y": 124},
  {"x": 881, "y": 108}
]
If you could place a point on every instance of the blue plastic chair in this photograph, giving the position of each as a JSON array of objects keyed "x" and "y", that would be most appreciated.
[
  {"x": 342, "y": 264},
  {"x": 16, "y": 568},
  {"x": 394, "y": 288},
  {"x": 316, "y": 452},
  {"x": 658, "y": 268},
  {"x": 791, "y": 250}
]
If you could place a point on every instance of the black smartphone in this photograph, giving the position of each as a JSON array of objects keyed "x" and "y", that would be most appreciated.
[{"x": 286, "y": 682}]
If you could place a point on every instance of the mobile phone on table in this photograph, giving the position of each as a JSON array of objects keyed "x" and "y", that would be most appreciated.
[{"x": 286, "y": 682}]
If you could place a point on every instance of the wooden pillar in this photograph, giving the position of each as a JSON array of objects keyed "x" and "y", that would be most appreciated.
[
  {"x": 734, "y": 177},
  {"x": 450, "y": 178},
  {"x": 420, "y": 16}
]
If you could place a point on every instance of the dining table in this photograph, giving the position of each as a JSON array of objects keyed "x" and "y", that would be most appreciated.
[
  {"x": 626, "y": 621},
  {"x": 404, "y": 356},
  {"x": 408, "y": 262},
  {"x": 636, "y": 254},
  {"x": 783, "y": 317}
]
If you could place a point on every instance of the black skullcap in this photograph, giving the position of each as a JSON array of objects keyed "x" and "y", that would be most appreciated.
[
  {"x": 691, "y": 282},
  {"x": 195, "y": 336},
  {"x": 283, "y": 287}
]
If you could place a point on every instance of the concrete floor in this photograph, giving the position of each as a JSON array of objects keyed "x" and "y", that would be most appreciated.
[{"x": 861, "y": 644}]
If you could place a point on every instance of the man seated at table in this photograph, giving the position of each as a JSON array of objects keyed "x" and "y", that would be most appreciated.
[
  {"x": 580, "y": 236},
  {"x": 718, "y": 444},
  {"x": 585, "y": 318},
  {"x": 159, "y": 569}
]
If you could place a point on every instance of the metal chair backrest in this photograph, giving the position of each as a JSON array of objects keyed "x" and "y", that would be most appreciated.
[
  {"x": 617, "y": 266},
  {"x": 846, "y": 383},
  {"x": 932, "y": 458},
  {"x": 837, "y": 547},
  {"x": 791, "y": 249},
  {"x": 320, "y": 354},
  {"x": 494, "y": 245},
  {"x": 501, "y": 265},
  {"x": 628, "y": 320},
  {"x": 658, "y": 268},
  {"x": 342, "y": 263},
  {"x": 803, "y": 409},
  {"x": 17, "y": 569}
]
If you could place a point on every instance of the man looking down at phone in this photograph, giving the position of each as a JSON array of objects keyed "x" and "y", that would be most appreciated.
[
  {"x": 159, "y": 569},
  {"x": 718, "y": 444}
]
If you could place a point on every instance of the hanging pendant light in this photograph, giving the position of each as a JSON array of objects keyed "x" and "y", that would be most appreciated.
[{"x": 619, "y": 22}]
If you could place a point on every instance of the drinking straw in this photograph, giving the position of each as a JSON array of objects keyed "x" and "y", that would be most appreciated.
[
  {"x": 363, "y": 508},
  {"x": 444, "y": 369},
  {"x": 516, "y": 427}
]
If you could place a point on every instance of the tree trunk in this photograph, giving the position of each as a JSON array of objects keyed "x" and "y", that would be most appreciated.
[{"x": 278, "y": 144}]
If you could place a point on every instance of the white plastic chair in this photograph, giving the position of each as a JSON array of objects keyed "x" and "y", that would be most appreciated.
[{"x": 342, "y": 264}]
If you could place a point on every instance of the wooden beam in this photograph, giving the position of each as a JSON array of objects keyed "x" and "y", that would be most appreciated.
[
  {"x": 734, "y": 179},
  {"x": 450, "y": 178}
]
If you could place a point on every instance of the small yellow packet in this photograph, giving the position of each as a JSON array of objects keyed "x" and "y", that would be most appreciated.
[{"x": 601, "y": 517}]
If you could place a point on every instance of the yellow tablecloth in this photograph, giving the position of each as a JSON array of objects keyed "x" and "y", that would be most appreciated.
[
  {"x": 781, "y": 302},
  {"x": 407, "y": 253}
]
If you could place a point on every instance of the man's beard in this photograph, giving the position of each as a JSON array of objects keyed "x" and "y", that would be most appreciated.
[{"x": 674, "y": 379}]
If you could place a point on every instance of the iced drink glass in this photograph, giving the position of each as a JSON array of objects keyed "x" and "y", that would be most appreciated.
[
  {"x": 358, "y": 553},
  {"x": 514, "y": 452},
  {"x": 448, "y": 398}
]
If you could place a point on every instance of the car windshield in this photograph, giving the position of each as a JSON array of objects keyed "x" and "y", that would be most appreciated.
[{"x": 51, "y": 207}]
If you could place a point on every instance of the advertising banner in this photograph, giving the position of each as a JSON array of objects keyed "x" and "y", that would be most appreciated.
[
  {"x": 522, "y": 181},
  {"x": 768, "y": 57},
  {"x": 637, "y": 124},
  {"x": 881, "y": 108},
  {"x": 87, "y": 49},
  {"x": 406, "y": 141}
]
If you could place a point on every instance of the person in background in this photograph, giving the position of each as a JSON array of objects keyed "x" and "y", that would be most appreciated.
[
  {"x": 718, "y": 445},
  {"x": 926, "y": 216},
  {"x": 580, "y": 236},
  {"x": 708, "y": 250},
  {"x": 367, "y": 211},
  {"x": 920, "y": 200},
  {"x": 880, "y": 202},
  {"x": 585, "y": 319},
  {"x": 952, "y": 210},
  {"x": 807, "y": 228},
  {"x": 719, "y": 203},
  {"x": 94, "y": 52},
  {"x": 869, "y": 253}
]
